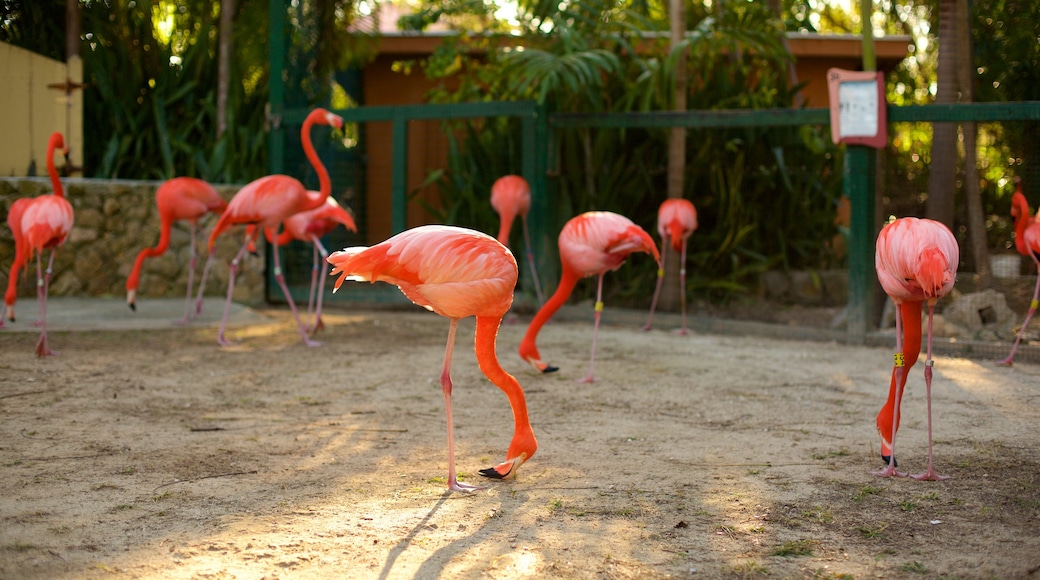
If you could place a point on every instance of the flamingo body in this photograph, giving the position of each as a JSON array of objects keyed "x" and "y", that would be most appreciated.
[
  {"x": 266, "y": 203},
  {"x": 178, "y": 199},
  {"x": 456, "y": 273},
  {"x": 1027, "y": 242},
  {"x": 39, "y": 224},
  {"x": 676, "y": 222},
  {"x": 511, "y": 197},
  {"x": 916, "y": 262},
  {"x": 592, "y": 243}
]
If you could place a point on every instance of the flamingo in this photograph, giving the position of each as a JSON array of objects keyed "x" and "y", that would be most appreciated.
[
  {"x": 311, "y": 226},
  {"x": 1027, "y": 242},
  {"x": 39, "y": 224},
  {"x": 267, "y": 202},
  {"x": 594, "y": 242},
  {"x": 676, "y": 222},
  {"x": 180, "y": 198},
  {"x": 510, "y": 197},
  {"x": 455, "y": 272},
  {"x": 916, "y": 262}
]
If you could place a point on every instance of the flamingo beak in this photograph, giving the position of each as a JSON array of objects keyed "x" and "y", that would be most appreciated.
[{"x": 505, "y": 470}]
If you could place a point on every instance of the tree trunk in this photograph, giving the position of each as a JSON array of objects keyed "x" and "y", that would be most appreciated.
[
  {"x": 976, "y": 215},
  {"x": 670, "y": 291},
  {"x": 227, "y": 9},
  {"x": 942, "y": 177}
]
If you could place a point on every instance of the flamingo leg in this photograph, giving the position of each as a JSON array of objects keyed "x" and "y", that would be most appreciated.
[
  {"x": 280, "y": 278},
  {"x": 324, "y": 254},
  {"x": 232, "y": 272},
  {"x": 682, "y": 290},
  {"x": 43, "y": 280},
  {"x": 1032, "y": 310},
  {"x": 202, "y": 284},
  {"x": 530, "y": 262},
  {"x": 453, "y": 482},
  {"x": 314, "y": 281},
  {"x": 595, "y": 329},
  {"x": 42, "y": 289},
  {"x": 657, "y": 290},
  {"x": 900, "y": 369},
  {"x": 929, "y": 474},
  {"x": 191, "y": 278}
]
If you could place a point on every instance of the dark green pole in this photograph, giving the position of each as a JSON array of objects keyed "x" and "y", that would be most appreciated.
[
  {"x": 859, "y": 188},
  {"x": 399, "y": 178},
  {"x": 542, "y": 218},
  {"x": 276, "y": 97}
]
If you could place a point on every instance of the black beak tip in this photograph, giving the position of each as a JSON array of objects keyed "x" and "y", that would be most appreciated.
[
  {"x": 133, "y": 307},
  {"x": 491, "y": 473},
  {"x": 550, "y": 369}
]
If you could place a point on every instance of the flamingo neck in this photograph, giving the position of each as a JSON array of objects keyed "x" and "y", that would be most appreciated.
[
  {"x": 324, "y": 182},
  {"x": 52, "y": 170},
  {"x": 563, "y": 291},
  {"x": 1021, "y": 223},
  {"x": 484, "y": 343},
  {"x": 911, "y": 316}
]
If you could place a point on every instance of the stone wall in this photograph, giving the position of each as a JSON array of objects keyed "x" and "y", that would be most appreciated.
[{"x": 115, "y": 219}]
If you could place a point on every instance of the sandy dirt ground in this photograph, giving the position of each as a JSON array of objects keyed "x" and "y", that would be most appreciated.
[{"x": 156, "y": 454}]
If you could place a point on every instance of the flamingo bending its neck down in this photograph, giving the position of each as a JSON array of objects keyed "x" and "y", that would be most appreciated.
[
  {"x": 592, "y": 243},
  {"x": 676, "y": 222},
  {"x": 456, "y": 273},
  {"x": 39, "y": 224},
  {"x": 180, "y": 198},
  {"x": 266, "y": 203},
  {"x": 1027, "y": 242},
  {"x": 511, "y": 197},
  {"x": 916, "y": 262},
  {"x": 311, "y": 226}
]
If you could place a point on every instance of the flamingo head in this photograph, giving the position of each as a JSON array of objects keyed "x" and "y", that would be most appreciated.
[
  {"x": 131, "y": 299},
  {"x": 520, "y": 450},
  {"x": 321, "y": 116},
  {"x": 934, "y": 273},
  {"x": 1019, "y": 204}
]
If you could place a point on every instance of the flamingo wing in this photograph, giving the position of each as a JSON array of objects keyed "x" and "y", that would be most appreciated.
[{"x": 47, "y": 221}]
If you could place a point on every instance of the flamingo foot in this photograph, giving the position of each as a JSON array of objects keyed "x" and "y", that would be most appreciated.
[
  {"x": 506, "y": 470},
  {"x": 43, "y": 350},
  {"x": 587, "y": 380},
  {"x": 198, "y": 307},
  {"x": 646, "y": 327},
  {"x": 890, "y": 468},
  {"x": 308, "y": 342},
  {"x": 930, "y": 475},
  {"x": 223, "y": 341},
  {"x": 681, "y": 332},
  {"x": 1006, "y": 362},
  {"x": 464, "y": 487}
]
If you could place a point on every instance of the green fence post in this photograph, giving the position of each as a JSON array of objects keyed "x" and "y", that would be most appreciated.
[
  {"x": 536, "y": 151},
  {"x": 276, "y": 86},
  {"x": 399, "y": 179},
  {"x": 859, "y": 188}
]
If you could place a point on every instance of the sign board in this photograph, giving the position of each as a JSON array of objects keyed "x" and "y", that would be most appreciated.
[{"x": 858, "y": 107}]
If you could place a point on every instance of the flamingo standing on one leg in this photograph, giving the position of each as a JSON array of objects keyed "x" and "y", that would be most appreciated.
[
  {"x": 592, "y": 243},
  {"x": 916, "y": 262},
  {"x": 676, "y": 222},
  {"x": 456, "y": 273},
  {"x": 511, "y": 197},
  {"x": 311, "y": 226},
  {"x": 45, "y": 223},
  {"x": 269, "y": 201},
  {"x": 180, "y": 198},
  {"x": 1027, "y": 242}
]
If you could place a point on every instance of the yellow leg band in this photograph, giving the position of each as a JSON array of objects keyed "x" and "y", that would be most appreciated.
[
  {"x": 1034, "y": 304},
  {"x": 900, "y": 360},
  {"x": 599, "y": 307},
  {"x": 660, "y": 272}
]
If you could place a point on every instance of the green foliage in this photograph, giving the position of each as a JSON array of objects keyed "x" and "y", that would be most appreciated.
[{"x": 765, "y": 197}]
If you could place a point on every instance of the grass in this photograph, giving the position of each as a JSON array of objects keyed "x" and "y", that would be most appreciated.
[{"x": 794, "y": 548}]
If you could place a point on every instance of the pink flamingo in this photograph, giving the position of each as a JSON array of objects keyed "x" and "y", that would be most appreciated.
[
  {"x": 180, "y": 198},
  {"x": 1027, "y": 242},
  {"x": 267, "y": 202},
  {"x": 311, "y": 226},
  {"x": 916, "y": 262},
  {"x": 511, "y": 197},
  {"x": 592, "y": 243},
  {"x": 39, "y": 224},
  {"x": 456, "y": 273},
  {"x": 676, "y": 222}
]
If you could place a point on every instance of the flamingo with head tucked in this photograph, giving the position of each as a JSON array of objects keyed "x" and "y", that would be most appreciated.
[
  {"x": 1027, "y": 242},
  {"x": 267, "y": 202},
  {"x": 511, "y": 197},
  {"x": 456, "y": 273},
  {"x": 916, "y": 262},
  {"x": 676, "y": 222},
  {"x": 180, "y": 198},
  {"x": 591, "y": 244},
  {"x": 39, "y": 224}
]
